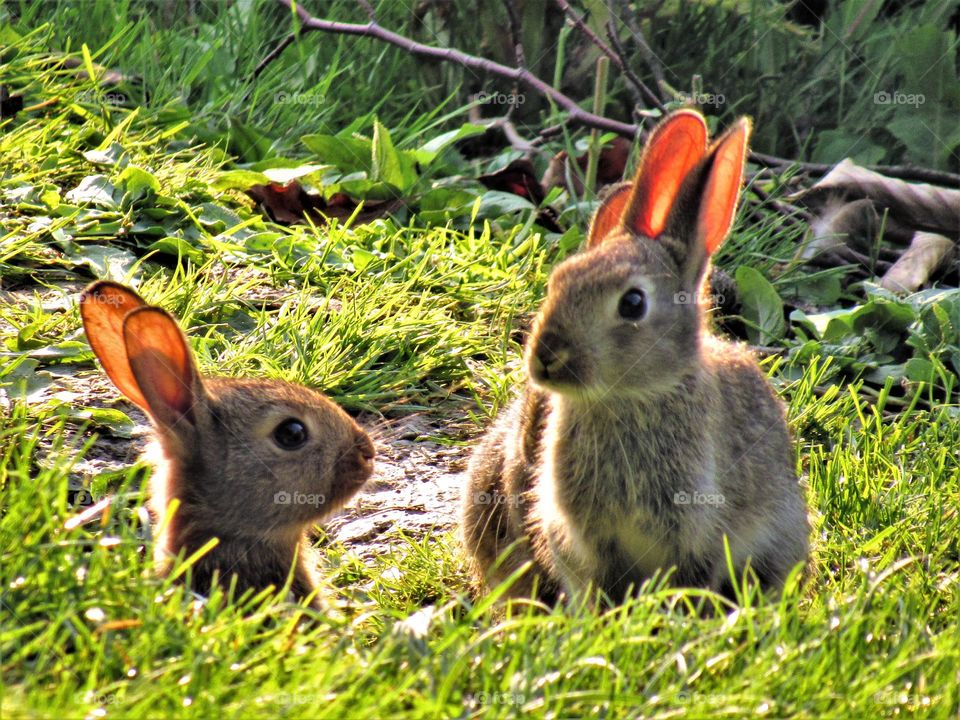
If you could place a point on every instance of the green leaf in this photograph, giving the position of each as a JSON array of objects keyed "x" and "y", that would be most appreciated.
[
  {"x": 217, "y": 217},
  {"x": 495, "y": 203},
  {"x": 821, "y": 290},
  {"x": 349, "y": 154},
  {"x": 248, "y": 142},
  {"x": 51, "y": 198},
  {"x": 239, "y": 180},
  {"x": 9, "y": 36},
  {"x": 285, "y": 175},
  {"x": 116, "y": 422},
  {"x": 23, "y": 378},
  {"x": 762, "y": 307},
  {"x": 361, "y": 257},
  {"x": 919, "y": 370},
  {"x": 177, "y": 247},
  {"x": 388, "y": 164},
  {"x": 137, "y": 181},
  {"x": 107, "y": 263},
  {"x": 61, "y": 350},
  {"x": 429, "y": 152},
  {"x": 112, "y": 155},
  {"x": 440, "y": 204},
  {"x": 94, "y": 190}
]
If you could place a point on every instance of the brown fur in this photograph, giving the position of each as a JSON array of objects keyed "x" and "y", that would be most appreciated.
[
  {"x": 637, "y": 446},
  {"x": 216, "y": 456}
]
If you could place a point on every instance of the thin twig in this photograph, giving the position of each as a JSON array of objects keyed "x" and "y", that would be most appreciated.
[
  {"x": 902, "y": 172},
  {"x": 513, "y": 27},
  {"x": 273, "y": 55},
  {"x": 636, "y": 85},
  {"x": 605, "y": 49},
  {"x": 576, "y": 114},
  {"x": 653, "y": 62},
  {"x": 784, "y": 208},
  {"x": 517, "y": 142}
]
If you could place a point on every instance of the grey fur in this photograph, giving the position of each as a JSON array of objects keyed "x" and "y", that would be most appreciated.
[{"x": 636, "y": 446}]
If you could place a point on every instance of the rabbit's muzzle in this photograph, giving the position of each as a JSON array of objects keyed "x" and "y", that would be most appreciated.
[
  {"x": 551, "y": 361},
  {"x": 357, "y": 463}
]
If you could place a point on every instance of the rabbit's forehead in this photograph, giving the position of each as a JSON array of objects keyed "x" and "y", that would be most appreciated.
[
  {"x": 260, "y": 402},
  {"x": 613, "y": 266}
]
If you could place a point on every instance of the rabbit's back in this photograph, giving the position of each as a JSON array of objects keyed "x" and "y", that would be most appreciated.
[{"x": 756, "y": 474}]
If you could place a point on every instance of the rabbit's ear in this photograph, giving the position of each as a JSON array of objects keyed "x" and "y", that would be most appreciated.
[
  {"x": 609, "y": 216},
  {"x": 161, "y": 362},
  {"x": 722, "y": 189},
  {"x": 675, "y": 147},
  {"x": 103, "y": 306}
]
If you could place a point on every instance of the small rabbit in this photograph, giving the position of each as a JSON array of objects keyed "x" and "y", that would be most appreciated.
[
  {"x": 641, "y": 439},
  {"x": 252, "y": 463}
]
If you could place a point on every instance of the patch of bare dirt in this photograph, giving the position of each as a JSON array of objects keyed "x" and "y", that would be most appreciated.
[{"x": 415, "y": 488}]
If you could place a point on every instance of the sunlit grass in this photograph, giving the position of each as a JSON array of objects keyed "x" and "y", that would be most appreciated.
[{"x": 392, "y": 318}]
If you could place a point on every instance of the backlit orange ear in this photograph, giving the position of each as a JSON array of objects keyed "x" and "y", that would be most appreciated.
[
  {"x": 719, "y": 203},
  {"x": 103, "y": 306},
  {"x": 675, "y": 147},
  {"x": 161, "y": 362},
  {"x": 609, "y": 215}
]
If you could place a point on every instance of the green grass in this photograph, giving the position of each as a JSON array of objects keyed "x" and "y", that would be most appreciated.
[
  {"x": 394, "y": 317},
  {"x": 872, "y": 632}
]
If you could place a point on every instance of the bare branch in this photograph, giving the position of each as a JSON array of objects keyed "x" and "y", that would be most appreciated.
[
  {"x": 576, "y": 114},
  {"x": 513, "y": 26},
  {"x": 616, "y": 59},
  {"x": 637, "y": 84},
  {"x": 273, "y": 55},
  {"x": 653, "y": 62},
  {"x": 903, "y": 172}
]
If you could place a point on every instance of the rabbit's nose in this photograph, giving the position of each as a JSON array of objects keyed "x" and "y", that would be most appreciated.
[{"x": 550, "y": 356}]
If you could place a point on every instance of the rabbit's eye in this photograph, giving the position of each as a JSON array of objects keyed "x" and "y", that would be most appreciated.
[
  {"x": 633, "y": 305},
  {"x": 290, "y": 434}
]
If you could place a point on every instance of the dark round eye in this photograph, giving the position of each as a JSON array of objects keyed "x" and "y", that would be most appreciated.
[
  {"x": 290, "y": 434},
  {"x": 633, "y": 305}
]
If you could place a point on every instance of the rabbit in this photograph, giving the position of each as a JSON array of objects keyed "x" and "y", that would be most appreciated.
[
  {"x": 253, "y": 463},
  {"x": 641, "y": 440}
]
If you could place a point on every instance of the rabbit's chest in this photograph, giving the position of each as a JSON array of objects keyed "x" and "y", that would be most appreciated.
[
  {"x": 636, "y": 543},
  {"x": 641, "y": 475}
]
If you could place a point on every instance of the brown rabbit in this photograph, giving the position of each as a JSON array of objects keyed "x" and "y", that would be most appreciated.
[
  {"x": 252, "y": 463},
  {"x": 642, "y": 440}
]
